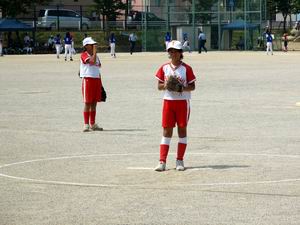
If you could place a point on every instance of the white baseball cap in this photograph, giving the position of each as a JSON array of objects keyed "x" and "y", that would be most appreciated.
[
  {"x": 175, "y": 44},
  {"x": 88, "y": 41}
]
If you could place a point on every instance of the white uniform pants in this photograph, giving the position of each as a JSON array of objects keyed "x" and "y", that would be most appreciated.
[
  {"x": 186, "y": 46},
  {"x": 1, "y": 49},
  {"x": 166, "y": 43},
  {"x": 57, "y": 47},
  {"x": 73, "y": 49},
  {"x": 269, "y": 48},
  {"x": 112, "y": 49},
  {"x": 68, "y": 50}
]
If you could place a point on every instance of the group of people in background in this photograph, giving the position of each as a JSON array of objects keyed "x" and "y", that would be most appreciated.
[
  {"x": 112, "y": 43},
  {"x": 268, "y": 39},
  {"x": 186, "y": 42},
  {"x": 56, "y": 42},
  {"x": 68, "y": 41}
]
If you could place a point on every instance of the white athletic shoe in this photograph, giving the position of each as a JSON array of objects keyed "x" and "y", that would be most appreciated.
[
  {"x": 160, "y": 167},
  {"x": 95, "y": 127},
  {"x": 179, "y": 165},
  {"x": 86, "y": 128}
]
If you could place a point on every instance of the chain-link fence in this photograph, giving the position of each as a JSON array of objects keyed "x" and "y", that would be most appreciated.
[{"x": 227, "y": 24}]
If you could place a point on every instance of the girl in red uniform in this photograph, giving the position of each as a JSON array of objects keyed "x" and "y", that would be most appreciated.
[
  {"x": 91, "y": 83},
  {"x": 176, "y": 105}
]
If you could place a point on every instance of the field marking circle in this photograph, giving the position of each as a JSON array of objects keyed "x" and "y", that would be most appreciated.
[{"x": 53, "y": 182}]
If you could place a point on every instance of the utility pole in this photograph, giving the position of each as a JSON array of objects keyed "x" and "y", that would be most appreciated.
[
  {"x": 219, "y": 26},
  {"x": 245, "y": 24},
  {"x": 144, "y": 26},
  {"x": 193, "y": 22},
  {"x": 168, "y": 16},
  {"x": 126, "y": 14}
]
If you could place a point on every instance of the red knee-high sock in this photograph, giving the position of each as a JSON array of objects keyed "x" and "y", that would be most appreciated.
[
  {"x": 164, "y": 149},
  {"x": 92, "y": 117},
  {"x": 86, "y": 116},
  {"x": 180, "y": 151}
]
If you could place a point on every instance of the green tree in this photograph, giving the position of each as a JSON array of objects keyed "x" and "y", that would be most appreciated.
[
  {"x": 12, "y": 8},
  {"x": 109, "y": 9},
  {"x": 286, "y": 8},
  {"x": 296, "y": 7}
]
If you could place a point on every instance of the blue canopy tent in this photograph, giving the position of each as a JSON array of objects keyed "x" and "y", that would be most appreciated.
[
  {"x": 240, "y": 25},
  {"x": 14, "y": 25}
]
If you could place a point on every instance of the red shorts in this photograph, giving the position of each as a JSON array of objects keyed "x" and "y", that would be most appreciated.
[
  {"x": 175, "y": 112},
  {"x": 91, "y": 89}
]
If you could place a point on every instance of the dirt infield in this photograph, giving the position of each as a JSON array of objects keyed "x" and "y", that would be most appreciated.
[{"x": 243, "y": 161}]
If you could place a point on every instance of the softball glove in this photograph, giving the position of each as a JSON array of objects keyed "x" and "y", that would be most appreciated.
[{"x": 174, "y": 84}]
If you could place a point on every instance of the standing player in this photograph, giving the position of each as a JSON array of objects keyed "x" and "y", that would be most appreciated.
[
  {"x": 176, "y": 107},
  {"x": 91, "y": 83},
  {"x": 132, "y": 40},
  {"x": 57, "y": 42},
  {"x": 73, "y": 45},
  {"x": 168, "y": 38},
  {"x": 68, "y": 46},
  {"x": 186, "y": 43},
  {"x": 112, "y": 45},
  {"x": 285, "y": 42},
  {"x": 201, "y": 42},
  {"x": 27, "y": 44},
  {"x": 269, "y": 38}
]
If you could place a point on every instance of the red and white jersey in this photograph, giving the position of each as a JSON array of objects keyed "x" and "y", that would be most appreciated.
[
  {"x": 185, "y": 74},
  {"x": 89, "y": 69}
]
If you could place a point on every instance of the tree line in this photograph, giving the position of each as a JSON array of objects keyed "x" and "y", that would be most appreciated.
[{"x": 285, "y": 7}]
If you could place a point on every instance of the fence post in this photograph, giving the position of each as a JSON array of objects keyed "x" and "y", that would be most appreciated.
[
  {"x": 34, "y": 24},
  {"x": 126, "y": 15},
  {"x": 245, "y": 25},
  {"x": 57, "y": 21},
  {"x": 145, "y": 23},
  {"x": 194, "y": 28},
  {"x": 219, "y": 26},
  {"x": 168, "y": 16},
  {"x": 80, "y": 26}
]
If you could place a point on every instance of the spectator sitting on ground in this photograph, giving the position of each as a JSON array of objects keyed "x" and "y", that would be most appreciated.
[
  {"x": 27, "y": 44},
  {"x": 240, "y": 44}
]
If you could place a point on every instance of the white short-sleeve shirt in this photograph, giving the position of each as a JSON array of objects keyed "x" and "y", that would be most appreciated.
[
  {"x": 185, "y": 74},
  {"x": 89, "y": 69}
]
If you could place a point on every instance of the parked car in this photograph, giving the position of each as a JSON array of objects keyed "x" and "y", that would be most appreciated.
[
  {"x": 135, "y": 18},
  {"x": 67, "y": 19}
]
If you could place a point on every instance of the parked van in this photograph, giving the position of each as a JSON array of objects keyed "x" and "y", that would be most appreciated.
[{"x": 67, "y": 19}]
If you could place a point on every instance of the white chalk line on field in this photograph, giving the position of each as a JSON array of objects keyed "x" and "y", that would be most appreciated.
[{"x": 54, "y": 182}]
